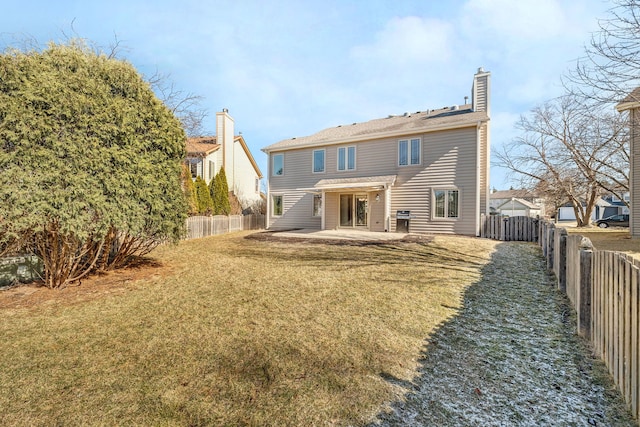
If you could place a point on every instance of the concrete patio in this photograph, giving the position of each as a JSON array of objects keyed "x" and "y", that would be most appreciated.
[{"x": 341, "y": 234}]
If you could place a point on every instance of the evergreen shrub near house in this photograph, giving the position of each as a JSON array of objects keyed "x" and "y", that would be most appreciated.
[
  {"x": 189, "y": 189},
  {"x": 203, "y": 198},
  {"x": 221, "y": 203},
  {"x": 89, "y": 161}
]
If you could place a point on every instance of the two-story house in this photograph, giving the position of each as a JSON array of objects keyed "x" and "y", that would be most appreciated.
[
  {"x": 425, "y": 172},
  {"x": 206, "y": 155}
]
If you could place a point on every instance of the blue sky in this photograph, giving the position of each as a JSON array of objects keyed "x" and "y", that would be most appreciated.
[{"x": 294, "y": 67}]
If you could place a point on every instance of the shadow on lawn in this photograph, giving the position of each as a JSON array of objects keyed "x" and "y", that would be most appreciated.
[
  {"x": 510, "y": 356},
  {"x": 419, "y": 249}
]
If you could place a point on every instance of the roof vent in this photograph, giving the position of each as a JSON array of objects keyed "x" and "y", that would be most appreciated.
[{"x": 454, "y": 108}]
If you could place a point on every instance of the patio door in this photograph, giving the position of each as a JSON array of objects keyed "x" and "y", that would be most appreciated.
[
  {"x": 354, "y": 210},
  {"x": 346, "y": 210},
  {"x": 362, "y": 210}
]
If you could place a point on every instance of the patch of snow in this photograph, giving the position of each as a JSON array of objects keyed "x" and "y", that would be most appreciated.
[{"x": 510, "y": 358}]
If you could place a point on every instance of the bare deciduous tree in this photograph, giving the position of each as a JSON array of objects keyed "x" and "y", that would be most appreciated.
[
  {"x": 569, "y": 150},
  {"x": 609, "y": 69},
  {"x": 185, "y": 106}
]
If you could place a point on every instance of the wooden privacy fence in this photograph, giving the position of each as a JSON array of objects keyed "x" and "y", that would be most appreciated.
[
  {"x": 515, "y": 228},
  {"x": 604, "y": 289},
  {"x": 203, "y": 226}
]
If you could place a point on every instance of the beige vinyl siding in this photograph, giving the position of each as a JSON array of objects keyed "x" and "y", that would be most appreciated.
[
  {"x": 448, "y": 161},
  {"x": 297, "y": 211},
  {"x": 331, "y": 211},
  {"x": 298, "y": 204},
  {"x": 376, "y": 211}
]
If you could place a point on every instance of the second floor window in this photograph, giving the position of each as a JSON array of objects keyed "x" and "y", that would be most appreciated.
[
  {"x": 409, "y": 152},
  {"x": 318, "y": 161},
  {"x": 346, "y": 158},
  {"x": 278, "y": 165}
]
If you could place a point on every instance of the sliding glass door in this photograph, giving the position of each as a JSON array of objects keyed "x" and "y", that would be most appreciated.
[{"x": 354, "y": 210}]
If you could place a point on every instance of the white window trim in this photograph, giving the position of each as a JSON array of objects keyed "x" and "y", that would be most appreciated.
[
  {"x": 273, "y": 160},
  {"x": 408, "y": 141},
  {"x": 273, "y": 204},
  {"x": 346, "y": 158},
  {"x": 199, "y": 166},
  {"x": 433, "y": 208},
  {"x": 313, "y": 206},
  {"x": 212, "y": 169},
  {"x": 324, "y": 160}
]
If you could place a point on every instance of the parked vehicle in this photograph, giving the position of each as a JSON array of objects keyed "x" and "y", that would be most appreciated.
[{"x": 613, "y": 221}]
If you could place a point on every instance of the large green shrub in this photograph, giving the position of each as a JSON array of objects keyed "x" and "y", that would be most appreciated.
[
  {"x": 205, "y": 204},
  {"x": 221, "y": 203},
  {"x": 189, "y": 189},
  {"x": 89, "y": 160}
]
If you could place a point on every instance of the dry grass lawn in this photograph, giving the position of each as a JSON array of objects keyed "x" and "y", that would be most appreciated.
[
  {"x": 609, "y": 239},
  {"x": 235, "y": 331}
]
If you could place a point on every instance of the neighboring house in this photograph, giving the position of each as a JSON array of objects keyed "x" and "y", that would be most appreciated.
[
  {"x": 631, "y": 103},
  {"x": 518, "y": 207},
  {"x": 617, "y": 206},
  {"x": 529, "y": 203},
  {"x": 427, "y": 172},
  {"x": 206, "y": 155},
  {"x": 603, "y": 209}
]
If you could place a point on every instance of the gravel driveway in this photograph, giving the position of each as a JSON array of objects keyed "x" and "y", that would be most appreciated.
[{"x": 510, "y": 358}]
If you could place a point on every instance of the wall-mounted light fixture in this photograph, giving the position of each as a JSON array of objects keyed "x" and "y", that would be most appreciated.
[{"x": 377, "y": 197}]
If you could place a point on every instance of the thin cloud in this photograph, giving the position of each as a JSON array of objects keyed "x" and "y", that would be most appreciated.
[{"x": 406, "y": 40}]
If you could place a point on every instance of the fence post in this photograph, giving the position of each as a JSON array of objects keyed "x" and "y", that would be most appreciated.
[
  {"x": 584, "y": 295},
  {"x": 562, "y": 260},
  {"x": 550, "y": 244}
]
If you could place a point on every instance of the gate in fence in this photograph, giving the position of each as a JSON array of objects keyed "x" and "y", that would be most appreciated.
[{"x": 515, "y": 228}]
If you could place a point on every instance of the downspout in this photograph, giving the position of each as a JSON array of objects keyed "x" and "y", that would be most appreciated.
[{"x": 387, "y": 208}]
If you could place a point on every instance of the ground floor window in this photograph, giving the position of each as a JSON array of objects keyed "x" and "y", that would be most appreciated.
[
  {"x": 446, "y": 204},
  {"x": 317, "y": 205},
  {"x": 276, "y": 204},
  {"x": 195, "y": 166}
]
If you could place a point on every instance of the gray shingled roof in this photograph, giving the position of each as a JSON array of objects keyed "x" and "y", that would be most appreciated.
[{"x": 421, "y": 121}]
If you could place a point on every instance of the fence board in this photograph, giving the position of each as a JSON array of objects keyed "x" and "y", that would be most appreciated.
[
  {"x": 203, "y": 226},
  {"x": 635, "y": 342},
  {"x": 626, "y": 332}
]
